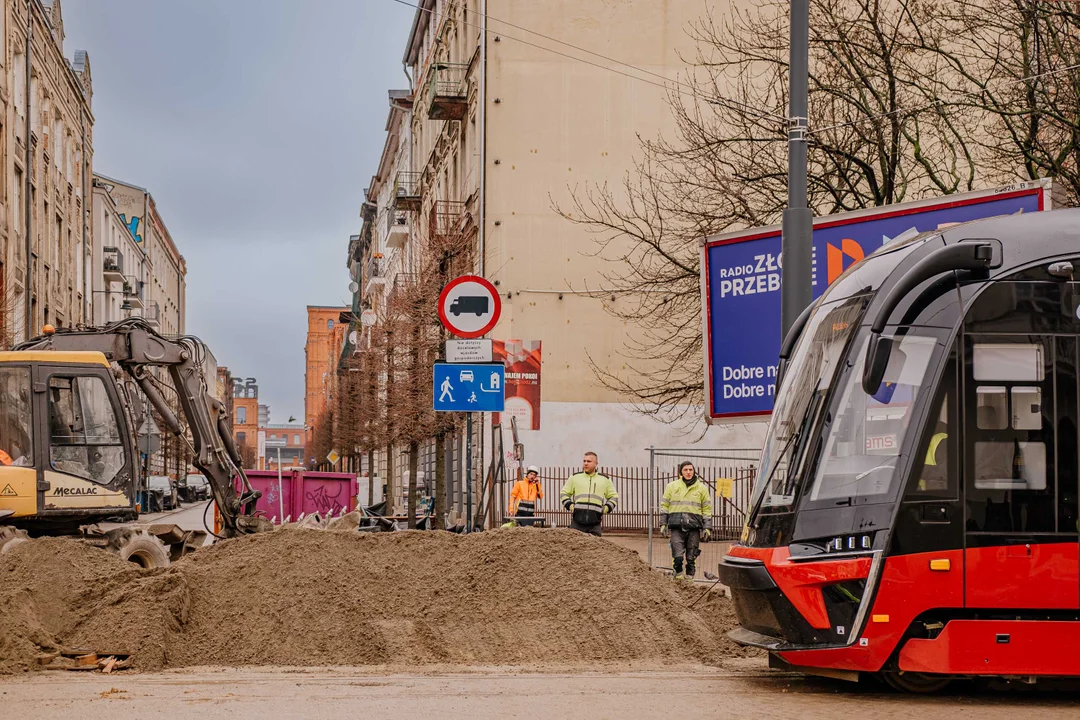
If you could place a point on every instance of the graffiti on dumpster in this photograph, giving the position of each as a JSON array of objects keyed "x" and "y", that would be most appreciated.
[{"x": 320, "y": 501}]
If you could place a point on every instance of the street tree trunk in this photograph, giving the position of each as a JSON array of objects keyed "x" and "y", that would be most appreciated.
[
  {"x": 414, "y": 462},
  {"x": 371, "y": 477},
  {"x": 440, "y": 481}
]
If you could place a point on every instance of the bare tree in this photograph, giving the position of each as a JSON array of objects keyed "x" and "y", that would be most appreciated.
[
  {"x": 386, "y": 401},
  {"x": 1018, "y": 67},
  {"x": 887, "y": 125}
]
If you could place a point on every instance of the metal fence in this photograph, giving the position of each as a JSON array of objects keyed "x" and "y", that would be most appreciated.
[{"x": 728, "y": 473}]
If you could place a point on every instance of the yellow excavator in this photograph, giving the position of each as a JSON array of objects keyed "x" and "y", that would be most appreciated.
[{"x": 68, "y": 451}]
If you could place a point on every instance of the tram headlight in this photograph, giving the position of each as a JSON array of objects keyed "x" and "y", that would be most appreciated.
[{"x": 850, "y": 543}]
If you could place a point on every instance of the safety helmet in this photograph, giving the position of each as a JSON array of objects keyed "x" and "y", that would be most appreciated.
[{"x": 532, "y": 469}]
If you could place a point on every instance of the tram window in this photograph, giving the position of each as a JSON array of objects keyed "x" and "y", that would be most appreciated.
[
  {"x": 1008, "y": 362},
  {"x": 993, "y": 407},
  {"x": 1027, "y": 408},
  {"x": 934, "y": 480},
  {"x": 861, "y": 453},
  {"x": 1010, "y": 465}
]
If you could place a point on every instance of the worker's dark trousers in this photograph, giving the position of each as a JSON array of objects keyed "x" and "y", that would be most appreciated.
[
  {"x": 684, "y": 544},
  {"x": 597, "y": 529}
]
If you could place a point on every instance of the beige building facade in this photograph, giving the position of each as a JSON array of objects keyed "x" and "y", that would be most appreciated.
[
  {"x": 500, "y": 126},
  {"x": 120, "y": 268},
  {"x": 46, "y": 170},
  {"x": 165, "y": 278}
]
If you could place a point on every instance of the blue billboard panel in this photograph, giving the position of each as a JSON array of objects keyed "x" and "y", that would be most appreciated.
[
  {"x": 741, "y": 275},
  {"x": 469, "y": 387}
]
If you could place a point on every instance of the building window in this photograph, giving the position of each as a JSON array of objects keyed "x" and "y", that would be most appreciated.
[
  {"x": 241, "y": 416},
  {"x": 295, "y": 439},
  {"x": 329, "y": 324}
]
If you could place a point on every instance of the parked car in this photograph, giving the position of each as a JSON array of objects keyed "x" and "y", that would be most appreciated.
[
  {"x": 194, "y": 488},
  {"x": 162, "y": 486}
]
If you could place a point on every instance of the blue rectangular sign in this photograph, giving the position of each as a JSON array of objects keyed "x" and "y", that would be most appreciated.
[
  {"x": 477, "y": 387},
  {"x": 741, "y": 275}
]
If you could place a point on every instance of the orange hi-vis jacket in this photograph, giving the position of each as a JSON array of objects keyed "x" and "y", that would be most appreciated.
[{"x": 523, "y": 498}]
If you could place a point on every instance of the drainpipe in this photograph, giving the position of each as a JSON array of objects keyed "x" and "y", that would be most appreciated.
[
  {"x": 483, "y": 134},
  {"x": 27, "y": 169},
  {"x": 87, "y": 262}
]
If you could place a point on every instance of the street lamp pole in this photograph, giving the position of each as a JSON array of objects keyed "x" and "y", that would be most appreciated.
[{"x": 798, "y": 222}]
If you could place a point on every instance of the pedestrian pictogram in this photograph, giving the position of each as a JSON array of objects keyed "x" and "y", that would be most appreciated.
[
  {"x": 468, "y": 388},
  {"x": 445, "y": 391},
  {"x": 8, "y": 491},
  {"x": 469, "y": 306}
]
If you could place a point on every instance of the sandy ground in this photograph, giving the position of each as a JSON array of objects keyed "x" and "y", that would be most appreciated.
[{"x": 741, "y": 690}]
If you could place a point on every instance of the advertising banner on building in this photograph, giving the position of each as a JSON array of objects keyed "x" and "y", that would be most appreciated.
[
  {"x": 521, "y": 358},
  {"x": 741, "y": 283}
]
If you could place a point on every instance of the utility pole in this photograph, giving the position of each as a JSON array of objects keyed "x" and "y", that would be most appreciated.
[{"x": 798, "y": 228}]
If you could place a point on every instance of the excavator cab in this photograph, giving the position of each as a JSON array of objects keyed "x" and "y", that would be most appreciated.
[{"x": 66, "y": 450}]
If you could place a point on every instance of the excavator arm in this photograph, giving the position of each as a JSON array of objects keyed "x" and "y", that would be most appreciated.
[{"x": 136, "y": 347}]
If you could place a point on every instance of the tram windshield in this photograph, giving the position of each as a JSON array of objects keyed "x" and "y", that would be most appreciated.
[
  {"x": 805, "y": 387},
  {"x": 859, "y": 462}
]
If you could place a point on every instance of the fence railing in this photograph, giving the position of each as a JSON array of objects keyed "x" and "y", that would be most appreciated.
[{"x": 640, "y": 496}]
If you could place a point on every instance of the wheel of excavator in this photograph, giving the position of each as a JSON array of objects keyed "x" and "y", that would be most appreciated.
[
  {"x": 10, "y": 538},
  {"x": 146, "y": 551}
]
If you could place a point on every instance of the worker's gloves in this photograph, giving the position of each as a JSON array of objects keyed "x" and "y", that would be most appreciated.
[
  {"x": 706, "y": 534},
  {"x": 665, "y": 531},
  {"x": 567, "y": 504}
]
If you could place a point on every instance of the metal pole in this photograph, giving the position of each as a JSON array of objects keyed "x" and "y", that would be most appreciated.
[
  {"x": 652, "y": 498},
  {"x": 798, "y": 227},
  {"x": 280, "y": 491},
  {"x": 28, "y": 170},
  {"x": 468, "y": 472}
]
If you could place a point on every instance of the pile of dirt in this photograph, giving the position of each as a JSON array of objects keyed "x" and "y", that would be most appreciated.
[
  {"x": 41, "y": 584},
  {"x": 296, "y": 597}
]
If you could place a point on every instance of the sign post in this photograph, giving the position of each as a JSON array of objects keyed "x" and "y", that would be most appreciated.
[
  {"x": 458, "y": 387},
  {"x": 469, "y": 307}
]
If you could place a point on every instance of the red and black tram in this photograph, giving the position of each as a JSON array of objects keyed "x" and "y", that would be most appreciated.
[{"x": 916, "y": 510}]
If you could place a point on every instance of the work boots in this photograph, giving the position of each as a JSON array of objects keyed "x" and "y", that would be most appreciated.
[
  {"x": 691, "y": 570},
  {"x": 677, "y": 568}
]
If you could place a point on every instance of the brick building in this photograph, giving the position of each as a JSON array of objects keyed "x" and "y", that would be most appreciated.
[{"x": 325, "y": 337}]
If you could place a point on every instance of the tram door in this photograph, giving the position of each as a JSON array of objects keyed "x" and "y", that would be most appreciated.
[{"x": 1020, "y": 471}]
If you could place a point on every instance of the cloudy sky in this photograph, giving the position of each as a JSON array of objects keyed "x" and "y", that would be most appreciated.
[{"x": 255, "y": 124}]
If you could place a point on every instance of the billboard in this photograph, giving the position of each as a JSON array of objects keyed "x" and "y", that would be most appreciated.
[
  {"x": 521, "y": 359},
  {"x": 740, "y": 275}
]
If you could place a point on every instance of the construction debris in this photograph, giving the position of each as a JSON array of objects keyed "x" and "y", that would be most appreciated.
[{"x": 524, "y": 597}]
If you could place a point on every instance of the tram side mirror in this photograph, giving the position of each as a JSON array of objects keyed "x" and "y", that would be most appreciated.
[{"x": 877, "y": 361}]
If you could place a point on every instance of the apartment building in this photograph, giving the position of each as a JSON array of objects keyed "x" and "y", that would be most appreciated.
[
  {"x": 326, "y": 335},
  {"x": 46, "y": 151},
  {"x": 120, "y": 268},
  {"x": 165, "y": 281},
  {"x": 500, "y": 125}
]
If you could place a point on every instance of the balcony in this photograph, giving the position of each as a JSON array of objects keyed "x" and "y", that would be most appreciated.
[
  {"x": 135, "y": 293},
  {"x": 446, "y": 92},
  {"x": 406, "y": 191},
  {"x": 447, "y": 219},
  {"x": 374, "y": 275},
  {"x": 113, "y": 265},
  {"x": 152, "y": 314},
  {"x": 397, "y": 229}
]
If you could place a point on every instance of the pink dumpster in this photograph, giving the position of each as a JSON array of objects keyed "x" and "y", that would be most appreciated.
[{"x": 302, "y": 492}]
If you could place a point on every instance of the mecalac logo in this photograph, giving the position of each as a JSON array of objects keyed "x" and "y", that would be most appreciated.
[
  {"x": 75, "y": 491},
  {"x": 841, "y": 258}
]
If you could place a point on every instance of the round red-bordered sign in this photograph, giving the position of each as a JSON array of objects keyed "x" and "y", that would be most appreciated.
[{"x": 469, "y": 306}]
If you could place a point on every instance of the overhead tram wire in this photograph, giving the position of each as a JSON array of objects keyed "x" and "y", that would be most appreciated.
[{"x": 681, "y": 88}]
